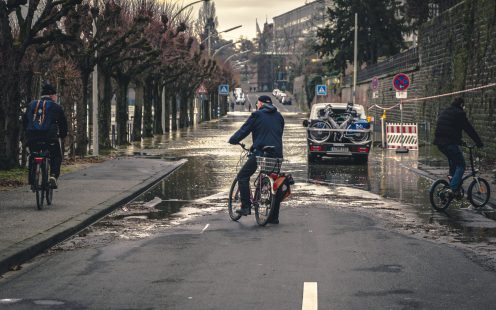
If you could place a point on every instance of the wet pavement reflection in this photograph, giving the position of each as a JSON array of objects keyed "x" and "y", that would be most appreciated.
[{"x": 201, "y": 185}]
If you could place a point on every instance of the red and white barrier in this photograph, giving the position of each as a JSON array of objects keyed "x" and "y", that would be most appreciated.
[{"x": 410, "y": 136}]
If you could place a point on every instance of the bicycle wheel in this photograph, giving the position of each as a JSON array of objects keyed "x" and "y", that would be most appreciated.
[
  {"x": 320, "y": 136},
  {"x": 39, "y": 185},
  {"x": 234, "y": 201},
  {"x": 263, "y": 205},
  {"x": 438, "y": 196},
  {"x": 48, "y": 187},
  {"x": 479, "y": 192},
  {"x": 356, "y": 137}
]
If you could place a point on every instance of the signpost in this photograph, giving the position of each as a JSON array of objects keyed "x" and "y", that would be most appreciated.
[
  {"x": 224, "y": 89},
  {"x": 401, "y": 82},
  {"x": 321, "y": 90},
  {"x": 201, "y": 89},
  {"x": 374, "y": 85}
]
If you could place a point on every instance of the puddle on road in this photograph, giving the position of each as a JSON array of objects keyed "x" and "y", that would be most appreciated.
[{"x": 201, "y": 186}]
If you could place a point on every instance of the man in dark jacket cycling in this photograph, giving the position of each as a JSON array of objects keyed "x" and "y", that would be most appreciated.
[
  {"x": 266, "y": 126},
  {"x": 45, "y": 123},
  {"x": 448, "y": 138}
]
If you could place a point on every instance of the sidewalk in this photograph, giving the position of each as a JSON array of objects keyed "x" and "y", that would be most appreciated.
[{"x": 82, "y": 198}]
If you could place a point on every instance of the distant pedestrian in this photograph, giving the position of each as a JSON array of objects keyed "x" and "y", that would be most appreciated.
[{"x": 448, "y": 138}]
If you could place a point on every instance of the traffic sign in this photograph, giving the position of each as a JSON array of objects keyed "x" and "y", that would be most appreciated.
[
  {"x": 401, "y": 82},
  {"x": 321, "y": 90},
  {"x": 375, "y": 83},
  {"x": 223, "y": 89},
  {"x": 401, "y": 94},
  {"x": 201, "y": 89}
]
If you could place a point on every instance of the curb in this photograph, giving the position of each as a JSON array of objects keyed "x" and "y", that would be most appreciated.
[{"x": 33, "y": 246}]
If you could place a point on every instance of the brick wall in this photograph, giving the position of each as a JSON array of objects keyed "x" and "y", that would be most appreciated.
[{"x": 457, "y": 50}]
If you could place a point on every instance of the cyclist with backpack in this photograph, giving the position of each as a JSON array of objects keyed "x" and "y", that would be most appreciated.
[{"x": 44, "y": 122}]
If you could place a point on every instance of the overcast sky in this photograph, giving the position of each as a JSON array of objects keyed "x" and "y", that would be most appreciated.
[{"x": 244, "y": 12}]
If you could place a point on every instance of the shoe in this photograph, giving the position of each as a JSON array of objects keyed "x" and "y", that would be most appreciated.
[
  {"x": 274, "y": 221},
  {"x": 244, "y": 211},
  {"x": 53, "y": 182}
]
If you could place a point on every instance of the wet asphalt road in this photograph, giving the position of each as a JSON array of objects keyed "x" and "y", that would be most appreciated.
[{"x": 175, "y": 247}]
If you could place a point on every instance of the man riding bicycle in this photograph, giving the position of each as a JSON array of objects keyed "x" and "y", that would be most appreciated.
[
  {"x": 45, "y": 121},
  {"x": 448, "y": 138},
  {"x": 266, "y": 126}
]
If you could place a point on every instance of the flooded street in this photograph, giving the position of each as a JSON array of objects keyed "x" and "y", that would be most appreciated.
[{"x": 200, "y": 187}]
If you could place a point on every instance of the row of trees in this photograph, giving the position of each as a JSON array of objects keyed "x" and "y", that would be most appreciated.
[{"x": 132, "y": 42}]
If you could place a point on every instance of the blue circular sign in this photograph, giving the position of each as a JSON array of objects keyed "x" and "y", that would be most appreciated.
[{"x": 401, "y": 82}]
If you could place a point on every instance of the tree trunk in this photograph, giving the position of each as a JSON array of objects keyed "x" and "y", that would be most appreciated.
[
  {"x": 121, "y": 112},
  {"x": 157, "y": 106},
  {"x": 174, "y": 111},
  {"x": 9, "y": 120},
  {"x": 191, "y": 109},
  {"x": 138, "y": 113},
  {"x": 183, "y": 110},
  {"x": 147, "y": 109},
  {"x": 104, "y": 111},
  {"x": 206, "y": 108},
  {"x": 167, "y": 110}
]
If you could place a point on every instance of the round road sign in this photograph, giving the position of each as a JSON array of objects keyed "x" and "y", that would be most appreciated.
[{"x": 401, "y": 82}]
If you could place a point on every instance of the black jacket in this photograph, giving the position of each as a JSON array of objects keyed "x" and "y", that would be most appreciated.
[
  {"x": 266, "y": 126},
  {"x": 58, "y": 126},
  {"x": 450, "y": 124}
]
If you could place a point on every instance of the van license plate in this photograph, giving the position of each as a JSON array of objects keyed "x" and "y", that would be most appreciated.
[{"x": 338, "y": 149}]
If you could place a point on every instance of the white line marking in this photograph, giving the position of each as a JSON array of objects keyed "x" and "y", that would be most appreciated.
[
  {"x": 310, "y": 298},
  {"x": 204, "y": 228}
]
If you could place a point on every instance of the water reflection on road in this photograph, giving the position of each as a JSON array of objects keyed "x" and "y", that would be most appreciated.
[{"x": 202, "y": 183}]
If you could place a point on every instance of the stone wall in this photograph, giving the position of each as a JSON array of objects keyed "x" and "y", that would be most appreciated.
[{"x": 457, "y": 50}]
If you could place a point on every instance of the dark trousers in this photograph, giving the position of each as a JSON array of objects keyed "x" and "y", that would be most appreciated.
[
  {"x": 456, "y": 164},
  {"x": 244, "y": 175},
  {"x": 55, "y": 155}
]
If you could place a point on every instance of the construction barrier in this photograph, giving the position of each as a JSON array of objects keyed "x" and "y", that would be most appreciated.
[{"x": 410, "y": 136}]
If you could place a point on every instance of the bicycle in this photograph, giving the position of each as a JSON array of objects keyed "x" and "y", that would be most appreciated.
[
  {"x": 478, "y": 192},
  {"x": 345, "y": 123},
  {"x": 39, "y": 170},
  {"x": 268, "y": 184}
]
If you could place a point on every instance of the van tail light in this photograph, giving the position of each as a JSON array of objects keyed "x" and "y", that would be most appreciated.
[
  {"x": 363, "y": 150},
  {"x": 318, "y": 148},
  {"x": 38, "y": 160}
]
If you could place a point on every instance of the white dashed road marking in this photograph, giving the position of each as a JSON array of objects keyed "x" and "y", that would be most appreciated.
[{"x": 310, "y": 297}]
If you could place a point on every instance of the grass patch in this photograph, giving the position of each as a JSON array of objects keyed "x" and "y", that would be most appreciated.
[{"x": 13, "y": 178}]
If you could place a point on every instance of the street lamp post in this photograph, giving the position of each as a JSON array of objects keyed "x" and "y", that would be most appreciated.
[
  {"x": 223, "y": 46},
  {"x": 240, "y": 53},
  {"x": 185, "y": 7},
  {"x": 224, "y": 31}
]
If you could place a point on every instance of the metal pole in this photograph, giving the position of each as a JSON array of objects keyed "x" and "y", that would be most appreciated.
[
  {"x": 209, "y": 46},
  {"x": 163, "y": 110},
  {"x": 382, "y": 131},
  {"x": 95, "y": 102},
  {"x": 355, "y": 58},
  {"x": 402, "y": 149}
]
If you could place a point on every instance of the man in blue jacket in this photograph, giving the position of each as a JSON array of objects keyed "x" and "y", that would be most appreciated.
[{"x": 266, "y": 126}]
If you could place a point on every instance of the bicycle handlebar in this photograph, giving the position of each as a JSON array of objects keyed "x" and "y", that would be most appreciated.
[{"x": 243, "y": 146}]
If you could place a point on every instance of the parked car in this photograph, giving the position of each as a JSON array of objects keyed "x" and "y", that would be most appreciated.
[
  {"x": 337, "y": 130},
  {"x": 286, "y": 100},
  {"x": 280, "y": 96},
  {"x": 240, "y": 99},
  {"x": 275, "y": 92}
]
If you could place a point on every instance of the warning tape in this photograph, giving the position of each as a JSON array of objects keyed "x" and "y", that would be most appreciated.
[{"x": 450, "y": 94}]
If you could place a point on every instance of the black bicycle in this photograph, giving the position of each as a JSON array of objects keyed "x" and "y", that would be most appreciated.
[
  {"x": 478, "y": 192},
  {"x": 266, "y": 185},
  {"x": 39, "y": 170}
]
